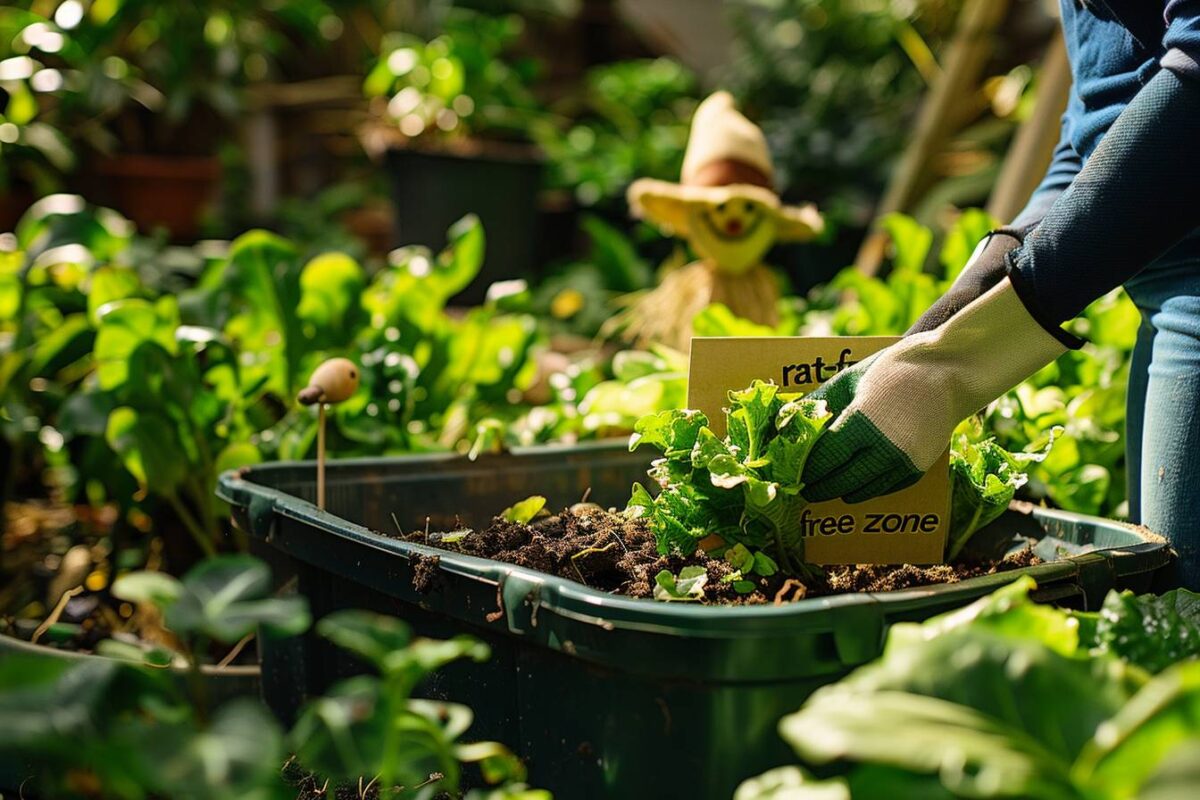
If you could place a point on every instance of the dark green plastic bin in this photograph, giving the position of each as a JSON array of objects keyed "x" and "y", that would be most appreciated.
[{"x": 605, "y": 696}]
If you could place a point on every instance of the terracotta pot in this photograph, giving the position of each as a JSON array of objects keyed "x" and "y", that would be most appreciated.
[{"x": 168, "y": 192}]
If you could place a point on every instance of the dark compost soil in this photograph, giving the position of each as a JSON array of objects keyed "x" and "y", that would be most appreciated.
[{"x": 609, "y": 552}]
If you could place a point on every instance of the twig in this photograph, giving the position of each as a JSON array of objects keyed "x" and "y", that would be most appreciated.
[
  {"x": 55, "y": 614},
  {"x": 618, "y": 538},
  {"x": 397, "y": 523},
  {"x": 237, "y": 648},
  {"x": 586, "y": 494},
  {"x": 583, "y": 553},
  {"x": 789, "y": 585}
]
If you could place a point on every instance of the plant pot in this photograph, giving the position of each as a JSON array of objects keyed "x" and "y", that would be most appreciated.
[
  {"x": 433, "y": 190},
  {"x": 169, "y": 192},
  {"x": 604, "y": 696},
  {"x": 223, "y": 684}
]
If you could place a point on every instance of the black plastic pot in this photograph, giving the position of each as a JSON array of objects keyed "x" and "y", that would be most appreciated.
[
  {"x": 605, "y": 696},
  {"x": 432, "y": 191}
]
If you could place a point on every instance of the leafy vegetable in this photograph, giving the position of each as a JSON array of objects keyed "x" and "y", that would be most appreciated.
[
  {"x": 984, "y": 478},
  {"x": 1152, "y": 632},
  {"x": 1001, "y": 699},
  {"x": 744, "y": 489}
]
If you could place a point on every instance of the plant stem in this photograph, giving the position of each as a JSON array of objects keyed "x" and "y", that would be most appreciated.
[{"x": 201, "y": 537}]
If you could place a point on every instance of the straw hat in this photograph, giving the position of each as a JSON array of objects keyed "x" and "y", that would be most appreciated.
[{"x": 726, "y": 159}]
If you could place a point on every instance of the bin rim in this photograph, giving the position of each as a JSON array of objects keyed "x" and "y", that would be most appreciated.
[{"x": 572, "y": 599}]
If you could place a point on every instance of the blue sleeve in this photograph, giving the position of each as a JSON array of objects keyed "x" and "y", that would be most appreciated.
[
  {"x": 1064, "y": 166},
  {"x": 1132, "y": 202},
  {"x": 1182, "y": 39}
]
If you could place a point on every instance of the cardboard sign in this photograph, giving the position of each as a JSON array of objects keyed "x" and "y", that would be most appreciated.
[{"x": 909, "y": 526}]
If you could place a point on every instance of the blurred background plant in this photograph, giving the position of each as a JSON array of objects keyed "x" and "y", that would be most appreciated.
[
  {"x": 463, "y": 83},
  {"x": 141, "y": 722}
]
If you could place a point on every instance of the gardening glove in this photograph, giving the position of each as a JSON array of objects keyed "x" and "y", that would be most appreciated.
[
  {"x": 986, "y": 267},
  {"x": 896, "y": 411}
]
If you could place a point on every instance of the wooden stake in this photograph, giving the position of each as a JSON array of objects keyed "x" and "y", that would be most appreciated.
[
  {"x": 1032, "y": 148},
  {"x": 964, "y": 60},
  {"x": 321, "y": 455}
]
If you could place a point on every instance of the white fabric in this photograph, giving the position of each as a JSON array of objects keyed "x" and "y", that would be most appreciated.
[
  {"x": 720, "y": 131},
  {"x": 920, "y": 388}
]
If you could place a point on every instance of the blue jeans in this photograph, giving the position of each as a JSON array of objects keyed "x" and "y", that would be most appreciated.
[{"x": 1163, "y": 404}]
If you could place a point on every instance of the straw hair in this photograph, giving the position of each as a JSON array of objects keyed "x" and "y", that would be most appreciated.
[{"x": 664, "y": 315}]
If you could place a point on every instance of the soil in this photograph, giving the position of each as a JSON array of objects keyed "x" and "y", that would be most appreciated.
[{"x": 609, "y": 552}]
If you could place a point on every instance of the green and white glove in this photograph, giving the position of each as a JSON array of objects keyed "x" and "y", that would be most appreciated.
[{"x": 896, "y": 411}]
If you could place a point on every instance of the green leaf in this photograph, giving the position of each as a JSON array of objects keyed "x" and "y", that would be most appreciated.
[
  {"x": 717, "y": 320},
  {"x": 741, "y": 558},
  {"x": 155, "y": 588},
  {"x": 791, "y": 783},
  {"x": 148, "y": 445},
  {"x": 331, "y": 289},
  {"x": 366, "y": 634},
  {"x": 1152, "y": 632},
  {"x": 109, "y": 284},
  {"x": 524, "y": 511},
  {"x": 764, "y": 565},
  {"x": 123, "y": 327},
  {"x": 228, "y": 597},
  {"x": 971, "y": 227},
  {"x": 689, "y": 585},
  {"x": 673, "y": 432},
  {"x": 640, "y": 503},
  {"x": 1129, "y": 749},
  {"x": 799, "y": 425},
  {"x": 911, "y": 242},
  {"x": 749, "y": 419}
]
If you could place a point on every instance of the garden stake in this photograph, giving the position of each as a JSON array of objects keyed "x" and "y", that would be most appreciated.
[{"x": 332, "y": 382}]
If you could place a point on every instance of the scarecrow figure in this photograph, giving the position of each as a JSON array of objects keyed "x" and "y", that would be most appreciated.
[{"x": 725, "y": 206}]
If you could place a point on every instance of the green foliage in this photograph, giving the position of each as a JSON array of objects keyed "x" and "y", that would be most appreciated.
[
  {"x": 630, "y": 120},
  {"x": 1150, "y": 631},
  {"x": 371, "y": 726},
  {"x": 1001, "y": 699},
  {"x": 1081, "y": 396},
  {"x": 460, "y": 83},
  {"x": 93, "y": 727},
  {"x": 744, "y": 488},
  {"x": 984, "y": 478},
  {"x": 834, "y": 85}
]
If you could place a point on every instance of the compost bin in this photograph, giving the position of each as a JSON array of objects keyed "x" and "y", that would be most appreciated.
[{"x": 604, "y": 696}]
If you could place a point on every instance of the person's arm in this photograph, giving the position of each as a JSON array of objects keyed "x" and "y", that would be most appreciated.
[
  {"x": 1132, "y": 201},
  {"x": 988, "y": 264}
]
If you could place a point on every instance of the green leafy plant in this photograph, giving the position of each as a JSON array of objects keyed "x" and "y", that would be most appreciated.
[
  {"x": 1080, "y": 397},
  {"x": 742, "y": 493},
  {"x": 984, "y": 479},
  {"x": 371, "y": 726},
  {"x": 460, "y": 84},
  {"x": 1005, "y": 699},
  {"x": 743, "y": 489},
  {"x": 630, "y": 120},
  {"x": 123, "y": 727}
]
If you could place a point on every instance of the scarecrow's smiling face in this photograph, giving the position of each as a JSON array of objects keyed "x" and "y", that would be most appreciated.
[{"x": 734, "y": 234}]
